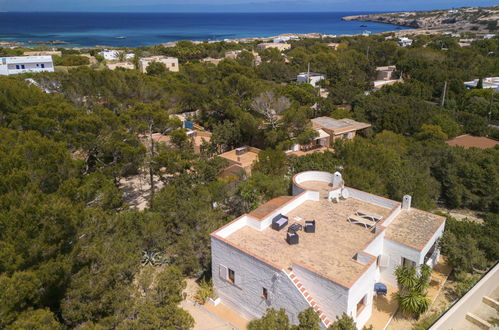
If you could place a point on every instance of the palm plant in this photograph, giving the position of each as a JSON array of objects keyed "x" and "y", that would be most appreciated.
[{"x": 412, "y": 297}]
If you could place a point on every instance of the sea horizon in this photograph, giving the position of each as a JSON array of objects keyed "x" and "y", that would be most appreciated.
[{"x": 130, "y": 29}]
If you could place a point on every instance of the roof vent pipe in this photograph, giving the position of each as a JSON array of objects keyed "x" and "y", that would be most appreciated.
[{"x": 406, "y": 202}]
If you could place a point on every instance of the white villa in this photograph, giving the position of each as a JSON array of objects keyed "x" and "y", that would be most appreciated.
[
  {"x": 324, "y": 247},
  {"x": 404, "y": 41},
  {"x": 24, "y": 64},
  {"x": 311, "y": 78}
]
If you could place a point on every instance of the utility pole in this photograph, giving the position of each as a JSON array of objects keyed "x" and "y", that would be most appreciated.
[
  {"x": 443, "y": 94},
  {"x": 308, "y": 73}
]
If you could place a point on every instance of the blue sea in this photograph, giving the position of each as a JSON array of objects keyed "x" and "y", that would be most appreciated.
[{"x": 145, "y": 29}]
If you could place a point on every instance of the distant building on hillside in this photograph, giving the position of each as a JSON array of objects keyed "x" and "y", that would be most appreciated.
[
  {"x": 339, "y": 128},
  {"x": 171, "y": 63},
  {"x": 110, "y": 55},
  {"x": 211, "y": 60},
  {"x": 333, "y": 45},
  {"x": 43, "y": 53},
  {"x": 490, "y": 82},
  {"x": 311, "y": 78},
  {"x": 318, "y": 144},
  {"x": 241, "y": 160},
  {"x": 25, "y": 64},
  {"x": 385, "y": 75},
  {"x": 123, "y": 65},
  {"x": 469, "y": 141},
  {"x": 280, "y": 46},
  {"x": 234, "y": 54},
  {"x": 404, "y": 41}
]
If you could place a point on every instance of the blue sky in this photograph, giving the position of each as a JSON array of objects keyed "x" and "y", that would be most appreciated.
[{"x": 235, "y": 5}]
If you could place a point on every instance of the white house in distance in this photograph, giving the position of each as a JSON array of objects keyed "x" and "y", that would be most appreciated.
[
  {"x": 311, "y": 78},
  {"x": 171, "y": 63},
  {"x": 325, "y": 247},
  {"x": 490, "y": 82},
  {"x": 110, "y": 55},
  {"x": 25, "y": 64},
  {"x": 404, "y": 41}
]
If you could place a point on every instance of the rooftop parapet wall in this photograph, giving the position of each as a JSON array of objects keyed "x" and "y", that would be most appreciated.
[
  {"x": 289, "y": 206},
  {"x": 373, "y": 199}
]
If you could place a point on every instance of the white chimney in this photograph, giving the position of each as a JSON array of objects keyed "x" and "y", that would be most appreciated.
[
  {"x": 406, "y": 202},
  {"x": 337, "y": 180}
]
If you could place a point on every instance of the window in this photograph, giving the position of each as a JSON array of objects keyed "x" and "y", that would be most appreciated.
[
  {"x": 173, "y": 64},
  {"x": 232, "y": 276},
  {"x": 17, "y": 67},
  {"x": 361, "y": 305},
  {"x": 408, "y": 262},
  {"x": 22, "y": 66},
  {"x": 43, "y": 66},
  {"x": 265, "y": 293}
]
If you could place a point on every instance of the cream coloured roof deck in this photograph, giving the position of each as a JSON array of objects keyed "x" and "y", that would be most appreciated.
[
  {"x": 330, "y": 250},
  {"x": 414, "y": 227}
]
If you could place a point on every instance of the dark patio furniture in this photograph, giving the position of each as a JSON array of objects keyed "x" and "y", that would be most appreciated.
[
  {"x": 380, "y": 289},
  {"x": 295, "y": 227},
  {"x": 280, "y": 221},
  {"x": 292, "y": 237},
  {"x": 310, "y": 226}
]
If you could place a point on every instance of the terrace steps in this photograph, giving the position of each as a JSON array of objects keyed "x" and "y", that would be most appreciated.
[{"x": 308, "y": 297}]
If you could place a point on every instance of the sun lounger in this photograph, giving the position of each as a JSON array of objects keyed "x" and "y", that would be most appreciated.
[
  {"x": 369, "y": 215},
  {"x": 361, "y": 221}
]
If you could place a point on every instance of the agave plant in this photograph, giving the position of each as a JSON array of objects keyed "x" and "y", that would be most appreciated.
[
  {"x": 413, "y": 302},
  {"x": 152, "y": 258}
]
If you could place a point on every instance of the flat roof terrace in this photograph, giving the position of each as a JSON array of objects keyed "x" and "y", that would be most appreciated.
[
  {"x": 329, "y": 251},
  {"x": 414, "y": 227}
]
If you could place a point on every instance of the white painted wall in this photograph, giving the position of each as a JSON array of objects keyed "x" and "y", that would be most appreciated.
[
  {"x": 396, "y": 251},
  {"x": 251, "y": 276},
  {"x": 362, "y": 287},
  {"x": 373, "y": 199},
  {"x": 33, "y": 64},
  {"x": 331, "y": 297},
  {"x": 455, "y": 316},
  {"x": 435, "y": 237}
]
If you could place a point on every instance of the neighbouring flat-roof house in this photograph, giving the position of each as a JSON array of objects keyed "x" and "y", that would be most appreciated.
[
  {"x": 280, "y": 46},
  {"x": 333, "y": 45},
  {"x": 171, "y": 63},
  {"x": 404, "y": 41},
  {"x": 385, "y": 75},
  {"x": 470, "y": 141},
  {"x": 43, "y": 53},
  {"x": 123, "y": 65},
  {"x": 324, "y": 247},
  {"x": 241, "y": 160},
  {"x": 25, "y": 64},
  {"x": 233, "y": 54},
  {"x": 489, "y": 82},
  {"x": 319, "y": 144},
  {"x": 339, "y": 128},
  {"x": 311, "y": 78},
  {"x": 110, "y": 55},
  {"x": 211, "y": 60},
  {"x": 197, "y": 137}
]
